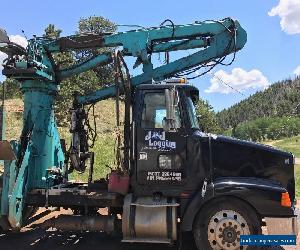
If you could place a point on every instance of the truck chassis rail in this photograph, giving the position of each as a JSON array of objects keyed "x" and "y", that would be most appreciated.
[{"x": 73, "y": 195}]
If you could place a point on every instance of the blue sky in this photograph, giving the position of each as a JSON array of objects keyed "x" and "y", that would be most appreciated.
[{"x": 272, "y": 50}]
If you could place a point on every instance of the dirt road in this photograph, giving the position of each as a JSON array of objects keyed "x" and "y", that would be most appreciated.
[
  {"x": 39, "y": 240},
  {"x": 34, "y": 238}
]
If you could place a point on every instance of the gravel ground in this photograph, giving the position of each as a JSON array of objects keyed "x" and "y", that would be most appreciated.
[{"x": 33, "y": 238}]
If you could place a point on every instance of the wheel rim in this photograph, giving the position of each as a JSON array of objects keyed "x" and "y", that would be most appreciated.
[{"x": 224, "y": 230}]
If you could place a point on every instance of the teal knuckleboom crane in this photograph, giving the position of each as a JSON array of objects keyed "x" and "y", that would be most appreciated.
[{"x": 37, "y": 160}]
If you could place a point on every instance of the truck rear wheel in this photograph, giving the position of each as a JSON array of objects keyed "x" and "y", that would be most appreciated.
[{"x": 220, "y": 224}]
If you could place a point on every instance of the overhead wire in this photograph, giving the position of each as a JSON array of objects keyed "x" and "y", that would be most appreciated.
[{"x": 227, "y": 84}]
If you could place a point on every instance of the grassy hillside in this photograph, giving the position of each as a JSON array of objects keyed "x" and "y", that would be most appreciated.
[{"x": 279, "y": 100}]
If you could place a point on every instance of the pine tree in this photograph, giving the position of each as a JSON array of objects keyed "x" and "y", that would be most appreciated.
[{"x": 207, "y": 117}]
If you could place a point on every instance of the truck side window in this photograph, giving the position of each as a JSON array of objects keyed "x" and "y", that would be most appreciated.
[{"x": 154, "y": 111}]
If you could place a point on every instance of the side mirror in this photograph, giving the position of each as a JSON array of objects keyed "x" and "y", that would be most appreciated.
[
  {"x": 3, "y": 36},
  {"x": 169, "y": 122}
]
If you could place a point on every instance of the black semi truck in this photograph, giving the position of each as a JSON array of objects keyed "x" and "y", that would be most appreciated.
[{"x": 182, "y": 180}]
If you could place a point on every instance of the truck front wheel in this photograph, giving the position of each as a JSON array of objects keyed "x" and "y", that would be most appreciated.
[{"x": 220, "y": 223}]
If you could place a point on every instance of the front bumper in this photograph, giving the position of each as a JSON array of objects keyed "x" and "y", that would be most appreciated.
[{"x": 284, "y": 226}]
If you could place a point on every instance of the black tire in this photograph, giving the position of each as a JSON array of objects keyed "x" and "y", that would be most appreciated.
[{"x": 227, "y": 219}]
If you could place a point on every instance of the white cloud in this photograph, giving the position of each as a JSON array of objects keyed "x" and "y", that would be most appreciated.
[
  {"x": 297, "y": 71},
  {"x": 289, "y": 13},
  {"x": 18, "y": 40},
  {"x": 239, "y": 79}
]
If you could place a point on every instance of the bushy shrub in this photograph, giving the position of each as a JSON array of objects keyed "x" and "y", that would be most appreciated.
[{"x": 268, "y": 128}]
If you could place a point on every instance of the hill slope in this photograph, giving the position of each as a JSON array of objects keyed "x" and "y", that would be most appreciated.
[{"x": 279, "y": 100}]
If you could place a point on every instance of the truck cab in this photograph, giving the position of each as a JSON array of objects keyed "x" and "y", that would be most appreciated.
[{"x": 162, "y": 156}]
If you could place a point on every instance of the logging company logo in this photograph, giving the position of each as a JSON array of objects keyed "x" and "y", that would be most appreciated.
[{"x": 157, "y": 140}]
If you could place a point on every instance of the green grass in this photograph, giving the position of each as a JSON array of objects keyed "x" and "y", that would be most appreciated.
[
  {"x": 104, "y": 156},
  {"x": 291, "y": 144},
  {"x": 13, "y": 120},
  {"x": 105, "y": 142}
]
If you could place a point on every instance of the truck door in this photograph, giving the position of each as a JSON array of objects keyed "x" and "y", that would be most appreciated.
[{"x": 161, "y": 155}]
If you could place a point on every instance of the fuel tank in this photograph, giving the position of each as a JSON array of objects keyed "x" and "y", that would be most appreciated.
[{"x": 239, "y": 158}]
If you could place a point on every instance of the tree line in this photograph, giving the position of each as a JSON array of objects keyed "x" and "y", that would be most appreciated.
[
  {"x": 268, "y": 128},
  {"x": 281, "y": 99}
]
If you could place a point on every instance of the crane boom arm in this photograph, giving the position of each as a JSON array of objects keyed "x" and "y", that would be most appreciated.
[
  {"x": 214, "y": 39},
  {"x": 219, "y": 46}
]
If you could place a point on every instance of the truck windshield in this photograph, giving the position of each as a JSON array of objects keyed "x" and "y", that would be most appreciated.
[{"x": 192, "y": 113}]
